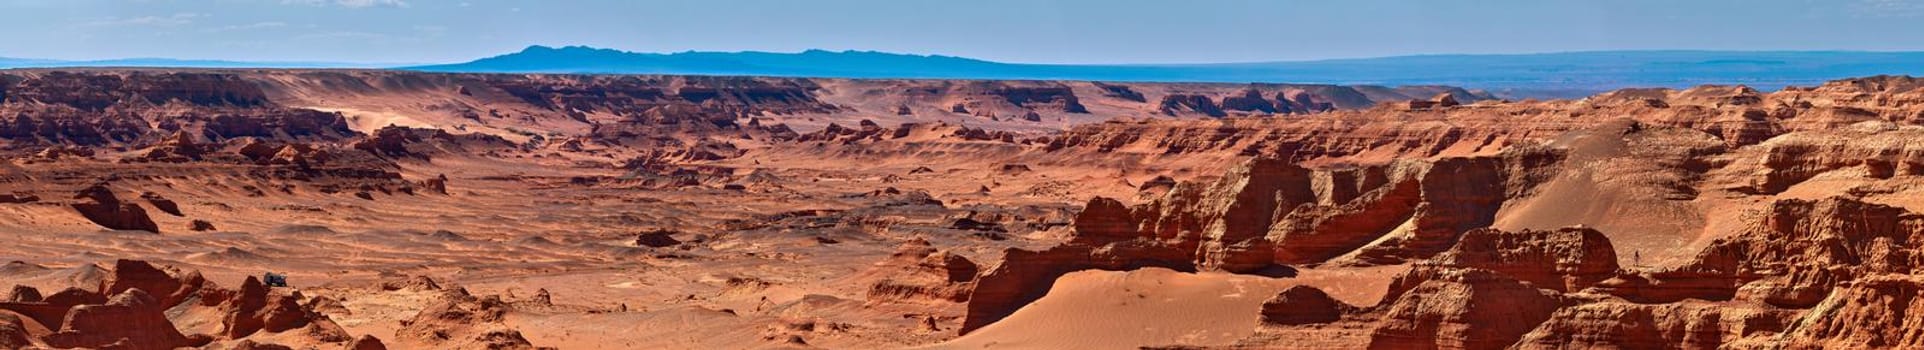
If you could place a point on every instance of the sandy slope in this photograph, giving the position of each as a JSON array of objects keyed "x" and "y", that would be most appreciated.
[{"x": 1151, "y": 307}]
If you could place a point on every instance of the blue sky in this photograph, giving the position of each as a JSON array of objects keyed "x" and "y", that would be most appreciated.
[{"x": 1034, "y": 31}]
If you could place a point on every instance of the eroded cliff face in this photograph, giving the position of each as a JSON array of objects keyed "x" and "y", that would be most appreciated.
[
  {"x": 1270, "y": 212},
  {"x": 1767, "y": 287},
  {"x": 1800, "y": 234},
  {"x": 1861, "y": 314},
  {"x": 62, "y": 108}
]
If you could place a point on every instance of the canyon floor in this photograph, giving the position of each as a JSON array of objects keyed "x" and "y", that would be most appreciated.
[{"x": 140, "y": 209}]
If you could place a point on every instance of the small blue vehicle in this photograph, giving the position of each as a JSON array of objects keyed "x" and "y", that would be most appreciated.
[{"x": 274, "y": 279}]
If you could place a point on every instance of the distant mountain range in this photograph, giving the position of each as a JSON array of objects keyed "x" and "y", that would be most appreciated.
[
  {"x": 1571, "y": 74},
  {"x": 6, "y": 63},
  {"x": 1526, "y": 75}
]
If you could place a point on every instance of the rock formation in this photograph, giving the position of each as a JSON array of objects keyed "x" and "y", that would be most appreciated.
[
  {"x": 1301, "y": 305},
  {"x": 1568, "y": 259},
  {"x": 99, "y": 204},
  {"x": 457, "y": 319},
  {"x": 1174, "y": 104},
  {"x": 123, "y": 314},
  {"x": 131, "y": 319},
  {"x": 1460, "y": 309},
  {"x": 918, "y": 272},
  {"x": 1408, "y": 217}
]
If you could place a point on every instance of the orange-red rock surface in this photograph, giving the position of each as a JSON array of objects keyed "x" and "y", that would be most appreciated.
[{"x": 140, "y": 209}]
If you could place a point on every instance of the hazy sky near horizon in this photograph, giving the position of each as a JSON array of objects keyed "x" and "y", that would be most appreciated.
[{"x": 1033, "y": 31}]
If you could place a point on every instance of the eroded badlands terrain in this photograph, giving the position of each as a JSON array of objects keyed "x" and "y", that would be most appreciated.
[{"x": 139, "y": 208}]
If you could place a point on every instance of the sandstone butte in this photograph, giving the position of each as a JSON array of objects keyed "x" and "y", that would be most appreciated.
[{"x": 140, "y": 209}]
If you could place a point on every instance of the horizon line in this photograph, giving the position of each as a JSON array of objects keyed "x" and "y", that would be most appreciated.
[{"x": 402, "y": 65}]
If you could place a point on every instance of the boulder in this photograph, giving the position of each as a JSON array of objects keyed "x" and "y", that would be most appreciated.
[
  {"x": 437, "y": 185},
  {"x": 1301, "y": 305},
  {"x": 366, "y": 342},
  {"x": 97, "y": 203},
  {"x": 14, "y": 331},
  {"x": 656, "y": 239},
  {"x": 1163, "y": 182},
  {"x": 23, "y": 294},
  {"x": 165, "y": 205}
]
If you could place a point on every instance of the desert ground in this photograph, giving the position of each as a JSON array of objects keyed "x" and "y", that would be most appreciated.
[{"x": 141, "y": 208}]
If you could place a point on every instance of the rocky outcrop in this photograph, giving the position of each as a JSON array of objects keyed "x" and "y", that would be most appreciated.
[
  {"x": 656, "y": 239},
  {"x": 179, "y": 148},
  {"x": 23, "y": 294},
  {"x": 1252, "y": 101},
  {"x": 1622, "y": 325},
  {"x": 1877, "y": 150},
  {"x": 254, "y": 308},
  {"x": 162, "y": 203},
  {"x": 1270, "y": 212},
  {"x": 133, "y": 107},
  {"x": 1444, "y": 100},
  {"x": 132, "y": 319},
  {"x": 713, "y": 98},
  {"x": 1567, "y": 259},
  {"x": 166, "y": 286},
  {"x": 99, "y": 204},
  {"x": 918, "y": 272},
  {"x": 1026, "y": 275},
  {"x": 1791, "y": 255},
  {"x": 1175, "y": 104},
  {"x": 1302, "y": 305},
  {"x": 366, "y": 342},
  {"x": 458, "y": 320},
  {"x": 1105, "y": 220},
  {"x": 52, "y": 309},
  {"x": 1122, "y": 92},
  {"x": 1838, "y": 258},
  {"x": 18, "y": 197},
  {"x": 13, "y": 331},
  {"x": 1872, "y": 312},
  {"x": 1056, "y": 98},
  {"x": 96, "y": 91},
  {"x": 412, "y": 283},
  {"x": 1451, "y": 308},
  {"x": 1733, "y": 117},
  {"x": 405, "y": 142},
  {"x": 1267, "y": 213},
  {"x": 871, "y": 133}
]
